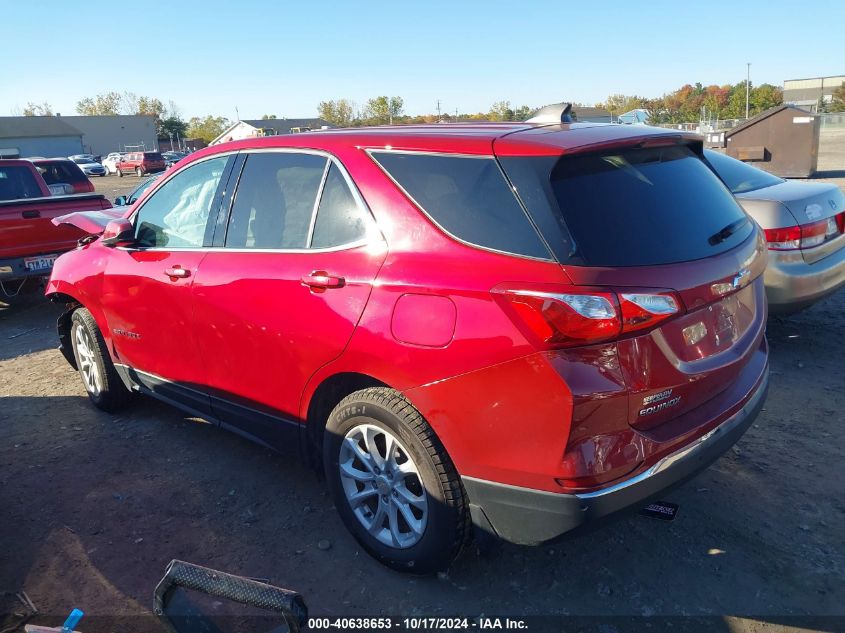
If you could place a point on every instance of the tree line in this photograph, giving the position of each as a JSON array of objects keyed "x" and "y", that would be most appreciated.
[{"x": 687, "y": 104}]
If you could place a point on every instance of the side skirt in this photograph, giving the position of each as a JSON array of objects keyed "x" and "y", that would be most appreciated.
[{"x": 272, "y": 431}]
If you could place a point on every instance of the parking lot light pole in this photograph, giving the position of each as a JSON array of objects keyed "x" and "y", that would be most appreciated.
[{"x": 747, "y": 86}]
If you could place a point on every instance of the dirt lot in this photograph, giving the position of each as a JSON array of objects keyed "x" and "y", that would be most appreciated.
[{"x": 95, "y": 505}]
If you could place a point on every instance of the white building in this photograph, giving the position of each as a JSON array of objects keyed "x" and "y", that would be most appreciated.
[{"x": 249, "y": 128}]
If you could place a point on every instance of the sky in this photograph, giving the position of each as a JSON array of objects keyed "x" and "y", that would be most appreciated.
[{"x": 283, "y": 58}]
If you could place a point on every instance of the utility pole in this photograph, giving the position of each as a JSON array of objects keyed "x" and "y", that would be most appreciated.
[
  {"x": 747, "y": 86},
  {"x": 438, "y": 110}
]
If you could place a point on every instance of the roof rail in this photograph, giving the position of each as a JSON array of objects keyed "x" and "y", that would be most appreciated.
[{"x": 554, "y": 113}]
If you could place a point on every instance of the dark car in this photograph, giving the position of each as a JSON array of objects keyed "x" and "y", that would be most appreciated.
[
  {"x": 58, "y": 171},
  {"x": 141, "y": 163},
  {"x": 522, "y": 326},
  {"x": 171, "y": 158}
]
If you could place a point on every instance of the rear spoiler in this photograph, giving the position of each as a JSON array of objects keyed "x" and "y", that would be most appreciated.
[
  {"x": 92, "y": 222},
  {"x": 551, "y": 114}
]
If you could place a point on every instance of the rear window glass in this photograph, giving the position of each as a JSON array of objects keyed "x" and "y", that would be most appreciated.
[
  {"x": 739, "y": 177},
  {"x": 646, "y": 206},
  {"x": 152, "y": 155},
  {"x": 18, "y": 182},
  {"x": 57, "y": 172},
  {"x": 468, "y": 197}
]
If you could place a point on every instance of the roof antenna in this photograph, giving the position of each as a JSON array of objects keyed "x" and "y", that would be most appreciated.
[{"x": 554, "y": 113}]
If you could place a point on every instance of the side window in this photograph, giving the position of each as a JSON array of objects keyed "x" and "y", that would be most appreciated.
[
  {"x": 176, "y": 215},
  {"x": 275, "y": 200},
  {"x": 468, "y": 197},
  {"x": 340, "y": 219}
]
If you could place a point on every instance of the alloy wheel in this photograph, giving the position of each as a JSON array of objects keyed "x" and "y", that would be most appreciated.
[
  {"x": 383, "y": 486},
  {"x": 87, "y": 363}
]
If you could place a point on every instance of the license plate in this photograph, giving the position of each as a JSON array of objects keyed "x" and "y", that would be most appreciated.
[{"x": 43, "y": 262}]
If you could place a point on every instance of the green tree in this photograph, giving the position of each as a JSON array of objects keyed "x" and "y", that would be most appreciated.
[
  {"x": 38, "y": 109},
  {"x": 340, "y": 112},
  {"x": 267, "y": 117},
  {"x": 501, "y": 111},
  {"x": 522, "y": 113},
  {"x": 838, "y": 102},
  {"x": 383, "y": 110},
  {"x": 207, "y": 128},
  {"x": 172, "y": 127},
  {"x": 105, "y": 103},
  {"x": 765, "y": 96}
]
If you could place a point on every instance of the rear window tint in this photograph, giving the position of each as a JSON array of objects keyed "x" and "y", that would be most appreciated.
[
  {"x": 152, "y": 156},
  {"x": 646, "y": 206},
  {"x": 468, "y": 197},
  {"x": 57, "y": 172},
  {"x": 340, "y": 219},
  {"x": 739, "y": 177},
  {"x": 18, "y": 182}
]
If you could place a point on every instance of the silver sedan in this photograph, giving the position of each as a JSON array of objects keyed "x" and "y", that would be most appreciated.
[{"x": 804, "y": 224}]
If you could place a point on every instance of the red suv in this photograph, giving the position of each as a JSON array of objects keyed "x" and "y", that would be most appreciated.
[
  {"x": 523, "y": 327},
  {"x": 141, "y": 163}
]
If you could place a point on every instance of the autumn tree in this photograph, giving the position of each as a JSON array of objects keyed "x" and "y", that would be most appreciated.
[
  {"x": 340, "y": 112},
  {"x": 108, "y": 103},
  {"x": 38, "y": 109},
  {"x": 207, "y": 128}
]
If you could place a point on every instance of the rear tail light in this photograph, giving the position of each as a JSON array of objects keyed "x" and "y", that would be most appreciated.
[
  {"x": 807, "y": 236},
  {"x": 569, "y": 319}
]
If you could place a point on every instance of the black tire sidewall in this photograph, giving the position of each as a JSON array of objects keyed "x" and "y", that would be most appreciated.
[
  {"x": 434, "y": 550},
  {"x": 114, "y": 394}
]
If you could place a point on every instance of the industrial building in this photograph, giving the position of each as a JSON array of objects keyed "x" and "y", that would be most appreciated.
[
  {"x": 48, "y": 136},
  {"x": 806, "y": 93},
  {"x": 115, "y": 133}
]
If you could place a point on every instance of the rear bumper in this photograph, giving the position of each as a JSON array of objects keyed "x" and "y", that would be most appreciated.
[
  {"x": 792, "y": 284},
  {"x": 16, "y": 269},
  {"x": 529, "y": 517}
]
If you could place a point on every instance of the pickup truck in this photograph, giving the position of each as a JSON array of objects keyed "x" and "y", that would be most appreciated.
[{"x": 29, "y": 241}]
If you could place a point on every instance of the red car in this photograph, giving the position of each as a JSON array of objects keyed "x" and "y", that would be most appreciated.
[
  {"x": 141, "y": 163},
  {"x": 63, "y": 171},
  {"x": 520, "y": 327}
]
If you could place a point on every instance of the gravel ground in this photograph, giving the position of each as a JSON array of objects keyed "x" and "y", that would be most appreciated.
[{"x": 96, "y": 505}]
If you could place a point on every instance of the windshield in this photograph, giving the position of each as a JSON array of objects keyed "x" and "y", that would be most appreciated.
[
  {"x": 141, "y": 189},
  {"x": 739, "y": 177}
]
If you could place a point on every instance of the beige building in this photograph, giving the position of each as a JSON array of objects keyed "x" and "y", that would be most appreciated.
[{"x": 806, "y": 93}]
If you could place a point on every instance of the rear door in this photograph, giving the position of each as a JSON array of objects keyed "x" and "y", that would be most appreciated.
[
  {"x": 281, "y": 294},
  {"x": 648, "y": 219},
  {"x": 146, "y": 295}
]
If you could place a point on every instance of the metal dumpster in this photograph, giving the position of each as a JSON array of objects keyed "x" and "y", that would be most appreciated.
[{"x": 783, "y": 140}]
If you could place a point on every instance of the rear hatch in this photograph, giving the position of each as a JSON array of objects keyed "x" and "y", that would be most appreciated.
[{"x": 648, "y": 221}]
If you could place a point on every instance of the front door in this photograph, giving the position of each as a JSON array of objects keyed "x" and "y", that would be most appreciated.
[
  {"x": 284, "y": 294},
  {"x": 147, "y": 288}
]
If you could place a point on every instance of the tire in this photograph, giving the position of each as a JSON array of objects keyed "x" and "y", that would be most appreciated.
[
  {"x": 424, "y": 482},
  {"x": 99, "y": 376},
  {"x": 119, "y": 173},
  {"x": 139, "y": 172}
]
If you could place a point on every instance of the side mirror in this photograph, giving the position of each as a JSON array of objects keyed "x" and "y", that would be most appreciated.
[
  {"x": 121, "y": 201},
  {"x": 118, "y": 232}
]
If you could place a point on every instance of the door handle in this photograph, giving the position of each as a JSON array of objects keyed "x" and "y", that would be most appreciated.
[
  {"x": 177, "y": 271},
  {"x": 29, "y": 215},
  {"x": 322, "y": 280}
]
